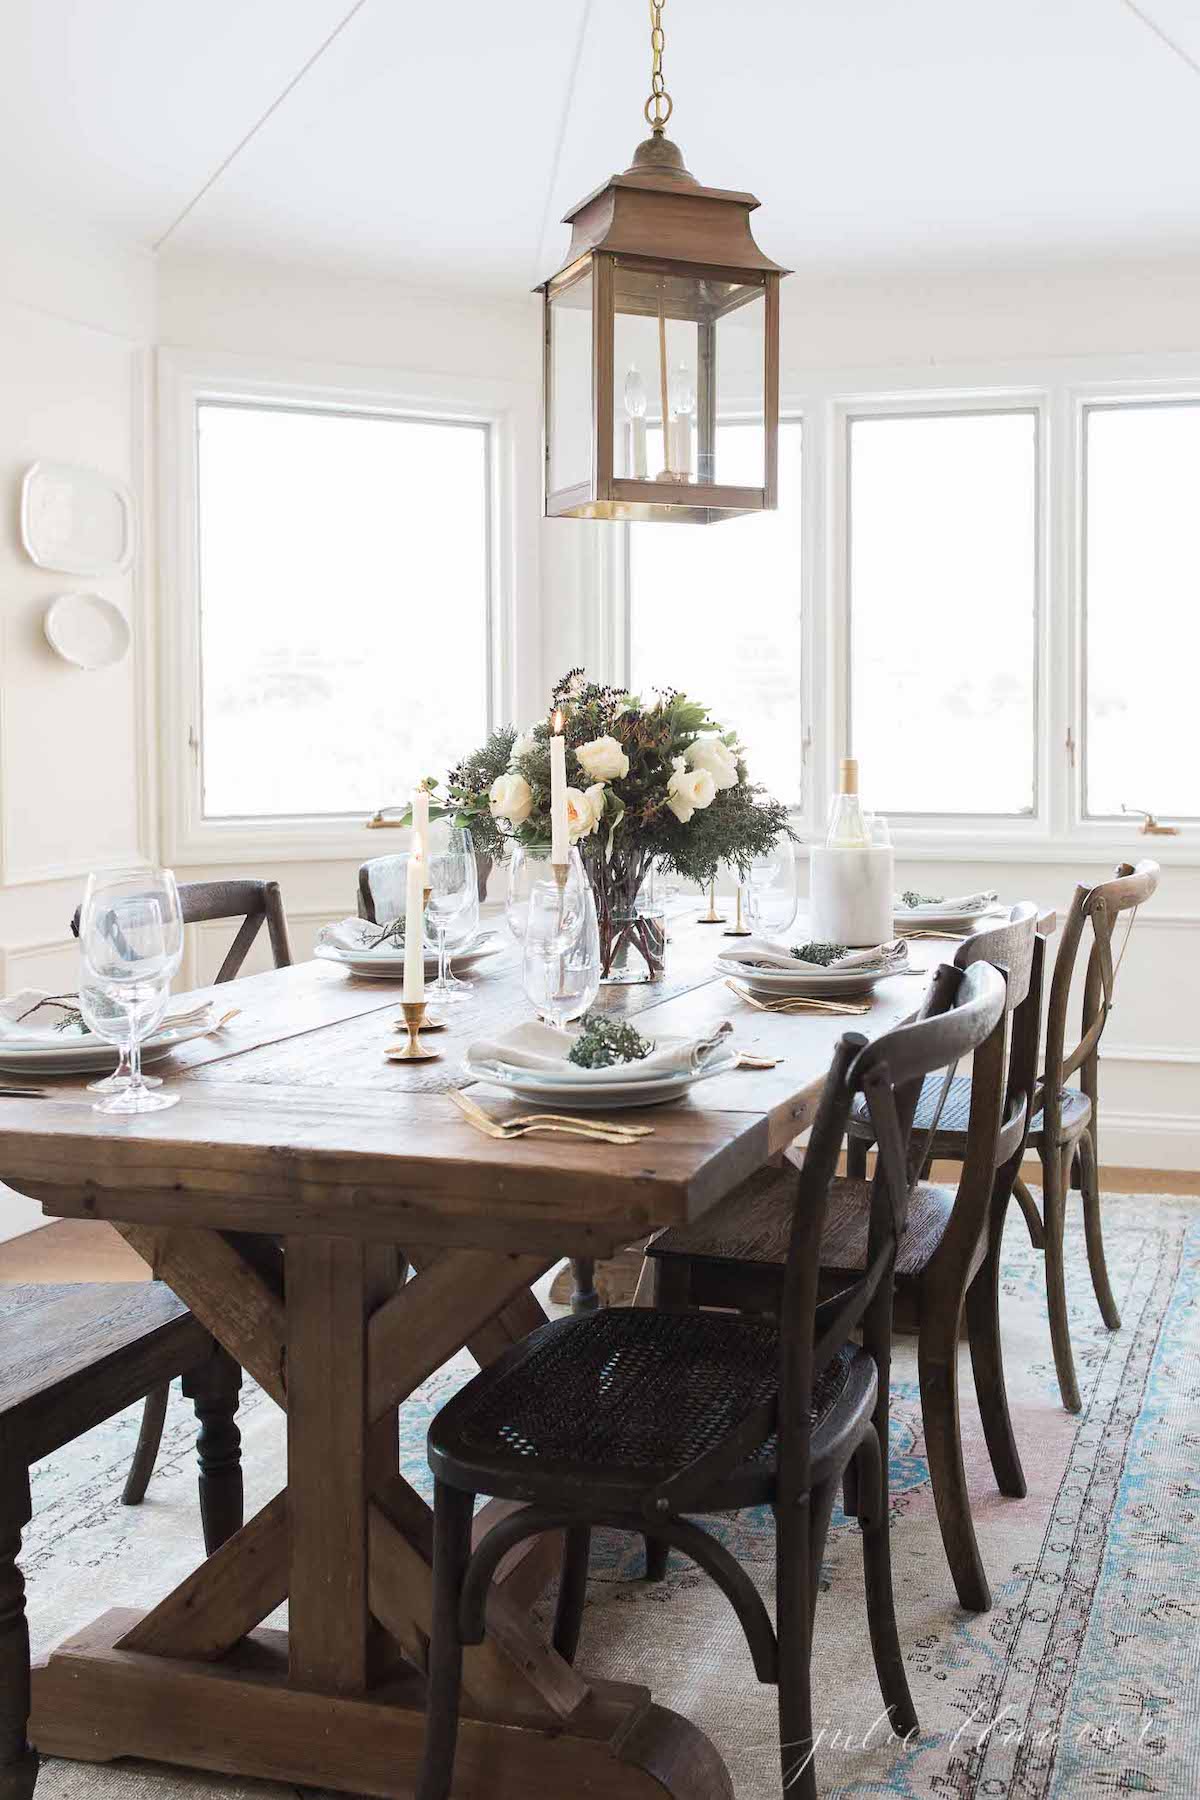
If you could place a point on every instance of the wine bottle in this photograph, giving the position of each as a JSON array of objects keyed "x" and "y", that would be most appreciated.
[{"x": 847, "y": 822}]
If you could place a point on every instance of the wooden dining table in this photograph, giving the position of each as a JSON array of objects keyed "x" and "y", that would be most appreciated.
[{"x": 285, "y": 1199}]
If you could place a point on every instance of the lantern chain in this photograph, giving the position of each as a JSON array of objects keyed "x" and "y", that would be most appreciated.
[{"x": 659, "y": 106}]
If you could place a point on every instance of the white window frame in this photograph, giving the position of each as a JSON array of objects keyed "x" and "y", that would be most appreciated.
[
  {"x": 1058, "y": 391},
  {"x": 185, "y": 379}
]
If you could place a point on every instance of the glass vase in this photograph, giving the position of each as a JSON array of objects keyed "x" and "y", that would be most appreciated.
[{"x": 632, "y": 932}]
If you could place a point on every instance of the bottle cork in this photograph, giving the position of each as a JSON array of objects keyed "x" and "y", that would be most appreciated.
[{"x": 849, "y": 775}]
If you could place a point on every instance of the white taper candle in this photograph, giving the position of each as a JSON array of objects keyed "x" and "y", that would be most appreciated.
[
  {"x": 414, "y": 931},
  {"x": 559, "y": 840},
  {"x": 420, "y": 819}
]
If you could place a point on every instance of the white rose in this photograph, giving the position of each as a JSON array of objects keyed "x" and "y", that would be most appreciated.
[
  {"x": 711, "y": 754},
  {"x": 523, "y": 744},
  {"x": 583, "y": 811},
  {"x": 689, "y": 791},
  {"x": 510, "y": 797},
  {"x": 603, "y": 759}
]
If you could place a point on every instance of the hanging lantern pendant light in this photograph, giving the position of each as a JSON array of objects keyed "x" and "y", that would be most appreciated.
[{"x": 661, "y": 344}]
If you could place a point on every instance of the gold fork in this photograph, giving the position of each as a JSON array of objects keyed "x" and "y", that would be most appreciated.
[
  {"x": 596, "y": 1133},
  {"x": 799, "y": 1003}
]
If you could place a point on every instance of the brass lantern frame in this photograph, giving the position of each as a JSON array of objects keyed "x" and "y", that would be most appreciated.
[{"x": 655, "y": 219}]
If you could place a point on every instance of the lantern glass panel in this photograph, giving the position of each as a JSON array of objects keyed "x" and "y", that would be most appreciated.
[
  {"x": 570, "y": 372},
  {"x": 739, "y": 386},
  {"x": 639, "y": 453}
]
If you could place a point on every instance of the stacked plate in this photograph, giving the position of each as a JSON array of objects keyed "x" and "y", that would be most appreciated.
[
  {"x": 667, "y": 1075},
  {"x": 76, "y": 1051},
  {"x": 385, "y": 962},
  {"x": 764, "y": 970},
  {"x": 946, "y": 915}
]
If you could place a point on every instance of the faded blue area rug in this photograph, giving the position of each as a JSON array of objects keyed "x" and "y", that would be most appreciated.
[{"x": 1083, "y": 1680}]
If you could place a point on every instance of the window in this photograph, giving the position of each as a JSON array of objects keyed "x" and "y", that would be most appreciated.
[
  {"x": 343, "y": 605},
  {"x": 943, "y": 610},
  {"x": 715, "y": 610},
  {"x": 1141, "y": 630}
]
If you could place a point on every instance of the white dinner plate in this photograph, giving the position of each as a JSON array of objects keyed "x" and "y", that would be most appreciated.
[
  {"x": 530, "y": 1084},
  {"x": 388, "y": 965},
  {"x": 88, "y": 630},
  {"x": 810, "y": 983},
  {"x": 79, "y": 1055},
  {"x": 938, "y": 919}
]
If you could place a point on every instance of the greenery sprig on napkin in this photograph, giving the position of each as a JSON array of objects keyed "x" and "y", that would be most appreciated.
[
  {"x": 603, "y": 1043},
  {"x": 824, "y": 954}
]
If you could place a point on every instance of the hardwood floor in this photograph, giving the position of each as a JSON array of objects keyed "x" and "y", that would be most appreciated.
[{"x": 70, "y": 1250}]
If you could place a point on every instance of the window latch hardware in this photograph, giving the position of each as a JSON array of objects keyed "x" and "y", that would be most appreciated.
[
  {"x": 1150, "y": 826},
  {"x": 193, "y": 740},
  {"x": 1070, "y": 746}
]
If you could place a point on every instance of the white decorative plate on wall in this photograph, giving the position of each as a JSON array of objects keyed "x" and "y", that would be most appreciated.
[
  {"x": 88, "y": 630},
  {"x": 76, "y": 520}
]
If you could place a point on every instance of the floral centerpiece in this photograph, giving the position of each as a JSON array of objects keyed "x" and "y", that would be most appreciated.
[{"x": 649, "y": 781}]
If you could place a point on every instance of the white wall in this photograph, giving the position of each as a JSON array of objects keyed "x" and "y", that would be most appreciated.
[{"x": 76, "y": 768}]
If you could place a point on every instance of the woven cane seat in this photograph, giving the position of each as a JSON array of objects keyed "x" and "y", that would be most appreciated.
[
  {"x": 742, "y": 1229},
  {"x": 1076, "y": 1114},
  {"x": 612, "y": 1403}
]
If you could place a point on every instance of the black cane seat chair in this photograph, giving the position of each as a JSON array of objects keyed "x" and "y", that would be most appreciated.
[
  {"x": 643, "y": 1421},
  {"x": 623, "y": 1398}
]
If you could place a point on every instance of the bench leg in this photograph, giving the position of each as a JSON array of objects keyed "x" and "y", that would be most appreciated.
[
  {"x": 18, "y": 1759},
  {"x": 213, "y": 1389}
]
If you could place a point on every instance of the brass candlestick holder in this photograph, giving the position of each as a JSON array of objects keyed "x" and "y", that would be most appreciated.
[
  {"x": 712, "y": 916},
  {"x": 414, "y": 1050},
  {"x": 737, "y": 929}
]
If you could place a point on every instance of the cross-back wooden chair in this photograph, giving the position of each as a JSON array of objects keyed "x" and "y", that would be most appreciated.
[
  {"x": 947, "y": 1266},
  {"x": 255, "y": 903},
  {"x": 1064, "y": 1131},
  {"x": 640, "y": 1420}
]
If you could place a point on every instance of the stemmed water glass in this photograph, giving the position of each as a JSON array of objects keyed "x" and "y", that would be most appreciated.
[
  {"x": 453, "y": 890},
  {"x": 131, "y": 944},
  {"x": 531, "y": 870},
  {"x": 562, "y": 955},
  {"x": 771, "y": 899}
]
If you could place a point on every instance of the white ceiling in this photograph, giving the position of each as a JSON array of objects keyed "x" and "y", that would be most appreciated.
[{"x": 444, "y": 141}]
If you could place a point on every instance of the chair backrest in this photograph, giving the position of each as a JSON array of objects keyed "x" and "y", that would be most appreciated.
[
  {"x": 1095, "y": 908},
  {"x": 1016, "y": 949},
  {"x": 381, "y": 888},
  {"x": 963, "y": 1012},
  {"x": 250, "y": 901}
]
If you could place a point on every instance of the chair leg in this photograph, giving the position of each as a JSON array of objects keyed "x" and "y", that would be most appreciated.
[
  {"x": 18, "y": 1758},
  {"x": 584, "y": 1298},
  {"x": 572, "y": 1590},
  {"x": 937, "y": 1367},
  {"x": 856, "y": 1157},
  {"x": 213, "y": 1388},
  {"x": 794, "y": 1628},
  {"x": 1094, "y": 1233},
  {"x": 656, "y": 1559},
  {"x": 820, "y": 1512},
  {"x": 987, "y": 1365},
  {"x": 452, "y": 1513},
  {"x": 1032, "y": 1217},
  {"x": 872, "y": 1486},
  {"x": 1053, "y": 1211},
  {"x": 154, "y": 1415}
]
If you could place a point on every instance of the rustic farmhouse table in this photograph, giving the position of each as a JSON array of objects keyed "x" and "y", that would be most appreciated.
[{"x": 297, "y": 1148}]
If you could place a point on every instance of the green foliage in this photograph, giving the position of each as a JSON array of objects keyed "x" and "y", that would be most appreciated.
[
  {"x": 818, "y": 953},
  {"x": 604, "y": 1042},
  {"x": 910, "y": 897}
]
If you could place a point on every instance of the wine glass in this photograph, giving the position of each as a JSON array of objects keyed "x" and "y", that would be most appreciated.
[
  {"x": 771, "y": 899},
  {"x": 562, "y": 957},
  {"x": 131, "y": 944},
  {"x": 453, "y": 889},
  {"x": 530, "y": 870},
  {"x": 98, "y": 1011}
]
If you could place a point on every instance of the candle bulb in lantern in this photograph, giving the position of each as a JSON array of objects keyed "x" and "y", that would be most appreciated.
[
  {"x": 559, "y": 842},
  {"x": 683, "y": 404},
  {"x": 635, "y": 407},
  {"x": 414, "y": 930},
  {"x": 420, "y": 819}
]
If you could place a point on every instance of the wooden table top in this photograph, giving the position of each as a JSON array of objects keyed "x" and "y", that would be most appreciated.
[{"x": 292, "y": 1120}]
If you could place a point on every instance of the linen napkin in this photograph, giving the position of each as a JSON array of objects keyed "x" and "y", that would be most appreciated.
[
  {"x": 32, "y": 1016},
  {"x": 757, "y": 953},
  {"x": 360, "y": 938},
  {"x": 950, "y": 903},
  {"x": 544, "y": 1051}
]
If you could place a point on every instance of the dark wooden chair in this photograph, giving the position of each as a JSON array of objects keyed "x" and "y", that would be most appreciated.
[
  {"x": 639, "y": 1420},
  {"x": 1063, "y": 1129},
  {"x": 947, "y": 1265},
  {"x": 384, "y": 876},
  {"x": 71, "y": 1357},
  {"x": 255, "y": 903}
]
